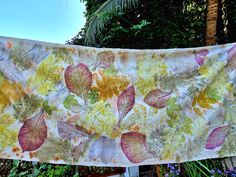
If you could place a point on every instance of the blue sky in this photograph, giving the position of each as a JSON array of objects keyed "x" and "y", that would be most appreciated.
[{"x": 45, "y": 20}]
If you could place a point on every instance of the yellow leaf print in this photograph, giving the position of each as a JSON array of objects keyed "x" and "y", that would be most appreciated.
[
  {"x": 7, "y": 133},
  {"x": 109, "y": 86},
  {"x": 47, "y": 75},
  {"x": 203, "y": 70},
  {"x": 9, "y": 93},
  {"x": 100, "y": 119},
  {"x": 198, "y": 111},
  {"x": 145, "y": 85},
  {"x": 203, "y": 100}
]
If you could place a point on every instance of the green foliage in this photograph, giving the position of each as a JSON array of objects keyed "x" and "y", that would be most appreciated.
[
  {"x": 101, "y": 16},
  {"x": 22, "y": 169},
  {"x": 151, "y": 25},
  {"x": 203, "y": 168}
]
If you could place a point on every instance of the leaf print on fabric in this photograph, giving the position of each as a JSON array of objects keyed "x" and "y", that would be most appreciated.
[
  {"x": 229, "y": 146},
  {"x": 18, "y": 55},
  {"x": 104, "y": 59},
  {"x": 155, "y": 141},
  {"x": 153, "y": 68},
  {"x": 134, "y": 146},
  {"x": 48, "y": 108},
  {"x": 55, "y": 149},
  {"x": 137, "y": 120},
  {"x": 232, "y": 52},
  {"x": 71, "y": 132},
  {"x": 46, "y": 77},
  {"x": 157, "y": 98},
  {"x": 107, "y": 87},
  {"x": 103, "y": 148},
  {"x": 26, "y": 107},
  {"x": 64, "y": 54},
  {"x": 37, "y": 53},
  {"x": 186, "y": 126},
  {"x": 33, "y": 133},
  {"x": 93, "y": 96},
  {"x": 25, "y": 58},
  {"x": 8, "y": 136},
  {"x": 216, "y": 137},
  {"x": 145, "y": 85},
  {"x": 10, "y": 92},
  {"x": 111, "y": 71},
  {"x": 77, "y": 135},
  {"x": 72, "y": 104},
  {"x": 11, "y": 72},
  {"x": 200, "y": 56},
  {"x": 78, "y": 79},
  {"x": 100, "y": 119},
  {"x": 125, "y": 102},
  {"x": 230, "y": 110},
  {"x": 173, "y": 111},
  {"x": 205, "y": 99}
]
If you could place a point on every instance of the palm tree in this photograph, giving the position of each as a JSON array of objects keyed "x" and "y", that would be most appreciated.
[
  {"x": 211, "y": 25},
  {"x": 99, "y": 18}
]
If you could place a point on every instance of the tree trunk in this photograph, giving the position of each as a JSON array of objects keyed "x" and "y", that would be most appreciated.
[{"x": 212, "y": 14}]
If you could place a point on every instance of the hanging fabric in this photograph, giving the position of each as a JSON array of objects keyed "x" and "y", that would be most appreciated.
[{"x": 79, "y": 105}]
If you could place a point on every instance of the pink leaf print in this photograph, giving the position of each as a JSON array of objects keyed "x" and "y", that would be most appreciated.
[
  {"x": 216, "y": 137},
  {"x": 200, "y": 56},
  {"x": 157, "y": 98},
  {"x": 33, "y": 133},
  {"x": 103, "y": 148},
  {"x": 105, "y": 59},
  {"x": 125, "y": 102},
  {"x": 78, "y": 79},
  {"x": 232, "y": 52},
  {"x": 133, "y": 144}
]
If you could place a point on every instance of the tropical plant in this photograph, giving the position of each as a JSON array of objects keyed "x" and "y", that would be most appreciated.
[
  {"x": 117, "y": 23},
  {"x": 101, "y": 16},
  {"x": 148, "y": 23}
]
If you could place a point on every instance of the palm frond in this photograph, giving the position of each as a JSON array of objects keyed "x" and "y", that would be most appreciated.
[{"x": 99, "y": 18}]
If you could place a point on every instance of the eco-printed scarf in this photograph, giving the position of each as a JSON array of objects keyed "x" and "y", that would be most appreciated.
[{"x": 116, "y": 107}]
